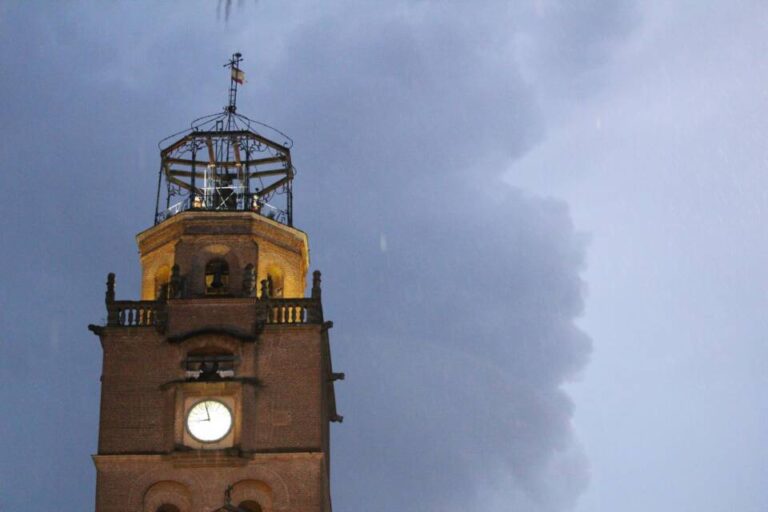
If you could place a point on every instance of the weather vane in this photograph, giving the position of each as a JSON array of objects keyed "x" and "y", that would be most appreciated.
[{"x": 237, "y": 76}]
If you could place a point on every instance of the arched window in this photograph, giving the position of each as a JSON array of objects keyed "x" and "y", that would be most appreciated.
[
  {"x": 216, "y": 277},
  {"x": 167, "y": 496},
  {"x": 162, "y": 277},
  {"x": 250, "y": 506},
  {"x": 275, "y": 280}
]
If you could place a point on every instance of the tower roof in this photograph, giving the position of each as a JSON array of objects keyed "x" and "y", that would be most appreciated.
[{"x": 226, "y": 162}]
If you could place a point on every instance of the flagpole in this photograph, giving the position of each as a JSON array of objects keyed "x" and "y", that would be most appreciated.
[{"x": 234, "y": 67}]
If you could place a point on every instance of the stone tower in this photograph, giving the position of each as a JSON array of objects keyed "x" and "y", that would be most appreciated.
[{"x": 217, "y": 387}]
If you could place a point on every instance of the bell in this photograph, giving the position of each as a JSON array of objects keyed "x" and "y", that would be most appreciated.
[{"x": 217, "y": 282}]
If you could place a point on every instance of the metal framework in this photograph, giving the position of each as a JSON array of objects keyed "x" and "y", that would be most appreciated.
[{"x": 222, "y": 163}]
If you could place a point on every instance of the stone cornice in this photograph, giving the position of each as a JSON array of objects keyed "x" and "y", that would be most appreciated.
[
  {"x": 207, "y": 458},
  {"x": 226, "y": 224}
]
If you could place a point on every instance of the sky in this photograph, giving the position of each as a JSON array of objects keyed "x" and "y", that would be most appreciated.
[{"x": 540, "y": 226}]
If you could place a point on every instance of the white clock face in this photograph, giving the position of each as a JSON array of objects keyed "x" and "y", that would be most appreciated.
[{"x": 209, "y": 421}]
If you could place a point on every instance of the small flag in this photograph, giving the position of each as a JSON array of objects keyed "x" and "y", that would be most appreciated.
[{"x": 238, "y": 76}]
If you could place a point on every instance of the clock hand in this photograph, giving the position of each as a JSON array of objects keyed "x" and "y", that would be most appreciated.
[{"x": 207, "y": 413}]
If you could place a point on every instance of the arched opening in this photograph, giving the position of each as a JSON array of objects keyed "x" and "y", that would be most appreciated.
[
  {"x": 249, "y": 506},
  {"x": 275, "y": 280},
  {"x": 210, "y": 363},
  {"x": 162, "y": 277},
  {"x": 216, "y": 277},
  {"x": 256, "y": 495},
  {"x": 166, "y": 496}
]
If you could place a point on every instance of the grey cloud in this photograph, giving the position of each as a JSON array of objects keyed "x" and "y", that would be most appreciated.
[
  {"x": 454, "y": 370},
  {"x": 565, "y": 46},
  {"x": 462, "y": 331},
  {"x": 456, "y": 339}
]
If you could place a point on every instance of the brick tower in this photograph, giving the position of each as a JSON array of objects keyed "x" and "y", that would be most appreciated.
[{"x": 217, "y": 387}]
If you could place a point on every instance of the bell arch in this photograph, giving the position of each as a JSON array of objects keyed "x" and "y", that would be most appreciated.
[
  {"x": 162, "y": 276},
  {"x": 250, "y": 506},
  {"x": 276, "y": 279},
  {"x": 253, "y": 495},
  {"x": 217, "y": 277},
  {"x": 167, "y": 496},
  {"x": 210, "y": 361}
]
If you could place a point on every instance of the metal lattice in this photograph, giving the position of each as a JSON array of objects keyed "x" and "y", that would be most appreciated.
[{"x": 225, "y": 162}]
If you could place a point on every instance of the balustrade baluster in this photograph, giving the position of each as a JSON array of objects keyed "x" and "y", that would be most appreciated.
[
  {"x": 134, "y": 313},
  {"x": 289, "y": 311}
]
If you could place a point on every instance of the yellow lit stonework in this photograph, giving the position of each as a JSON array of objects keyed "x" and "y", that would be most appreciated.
[{"x": 192, "y": 238}]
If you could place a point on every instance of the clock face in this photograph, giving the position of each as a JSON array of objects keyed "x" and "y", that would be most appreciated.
[{"x": 209, "y": 421}]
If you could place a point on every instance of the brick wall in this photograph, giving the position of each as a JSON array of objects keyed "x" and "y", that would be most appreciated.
[{"x": 276, "y": 452}]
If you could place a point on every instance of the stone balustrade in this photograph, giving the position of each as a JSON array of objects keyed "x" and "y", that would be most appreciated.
[
  {"x": 128, "y": 313},
  {"x": 146, "y": 313},
  {"x": 292, "y": 311},
  {"x": 268, "y": 310}
]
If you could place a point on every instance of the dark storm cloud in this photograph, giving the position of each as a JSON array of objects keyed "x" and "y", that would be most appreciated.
[
  {"x": 454, "y": 296},
  {"x": 461, "y": 329},
  {"x": 455, "y": 368}
]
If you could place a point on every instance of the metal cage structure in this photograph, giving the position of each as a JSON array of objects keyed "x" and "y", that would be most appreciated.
[{"x": 223, "y": 163}]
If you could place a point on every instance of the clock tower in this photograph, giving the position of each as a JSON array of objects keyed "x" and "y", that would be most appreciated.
[{"x": 217, "y": 386}]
